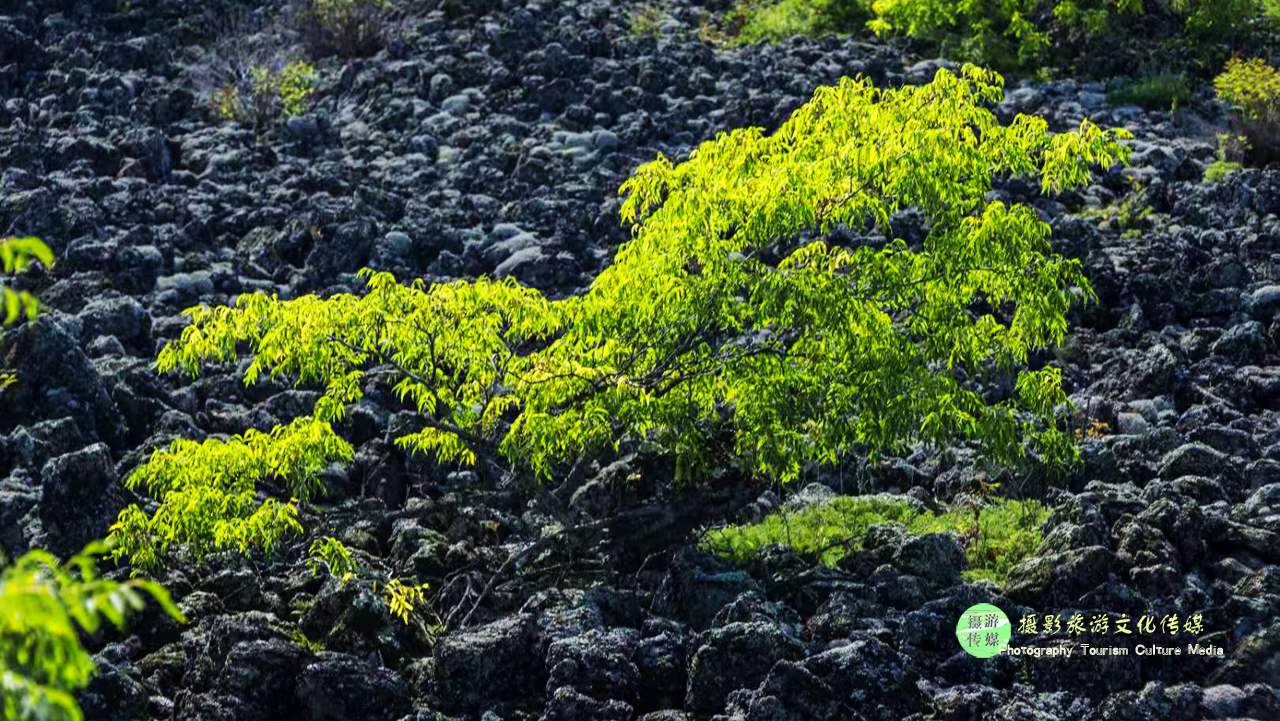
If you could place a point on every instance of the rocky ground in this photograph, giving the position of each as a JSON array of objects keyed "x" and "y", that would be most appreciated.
[{"x": 491, "y": 137}]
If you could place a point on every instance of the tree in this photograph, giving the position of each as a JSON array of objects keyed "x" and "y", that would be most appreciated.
[
  {"x": 726, "y": 331},
  {"x": 44, "y": 607}
]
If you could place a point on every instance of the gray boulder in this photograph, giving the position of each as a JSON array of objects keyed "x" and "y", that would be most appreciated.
[
  {"x": 338, "y": 687},
  {"x": 479, "y": 668},
  {"x": 1059, "y": 578},
  {"x": 936, "y": 557},
  {"x": 79, "y": 496},
  {"x": 736, "y": 656},
  {"x": 57, "y": 380}
]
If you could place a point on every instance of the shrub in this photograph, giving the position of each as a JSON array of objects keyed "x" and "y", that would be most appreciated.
[
  {"x": 16, "y": 254},
  {"x": 294, "y": 85},
  {"x": 265, "y": 93},
  {"x": 1163, "y": 91},
  {"x": 996, "y": 536},
  {"x": 350, "y": 28},
  {"x": 1251, "y": 89},
  {"x": 329, "y": 556},
  {"x": 1130, "y": 215},
  {"x": 726, "y": 332},
  {"x": 45, "y": 606},
  {"x": 1010, "y": 33},
  {"x": 1021, "y": 33},
  {"x": 1219, "y": 19},
  {"x": 1004, "y": 34},
  {"x": 646, "y": 20},
  {"x": 1231, "y": 149},
  {"x": 753, "y": 21}
]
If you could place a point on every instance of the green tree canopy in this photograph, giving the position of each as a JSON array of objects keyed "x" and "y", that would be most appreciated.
[{"x": 726, "y": 329}]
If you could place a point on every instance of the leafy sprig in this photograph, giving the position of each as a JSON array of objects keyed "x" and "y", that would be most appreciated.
[
  {"x": 329, "y": 556},
  {"x": 45, "y": 605}
]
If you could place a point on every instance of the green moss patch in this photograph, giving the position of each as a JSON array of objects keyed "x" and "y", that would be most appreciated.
[
  {"x": 996, "y": 539},
  {"x": 1220, "y": 169}
]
